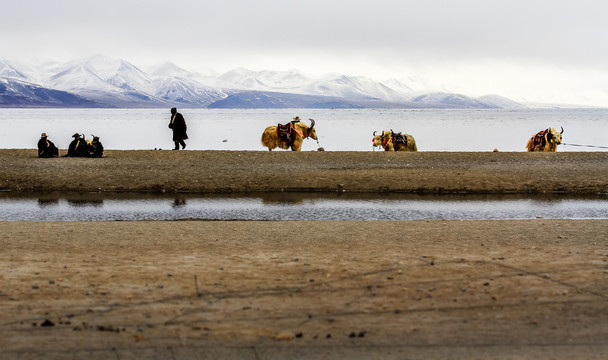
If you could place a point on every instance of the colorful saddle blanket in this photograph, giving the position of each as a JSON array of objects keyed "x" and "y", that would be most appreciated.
[
  {"x": 399, "y": 138},
  {"x": 286, "y": 132},
  {"x": 540, "y": 139}
]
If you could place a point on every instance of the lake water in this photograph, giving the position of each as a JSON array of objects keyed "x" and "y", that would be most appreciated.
[
  {"x": 294, "y": 206},
  {"x": 338, "y": 130}
]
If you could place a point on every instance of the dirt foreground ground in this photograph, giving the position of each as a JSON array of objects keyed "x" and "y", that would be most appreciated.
[{"x": 531, "y": 289}]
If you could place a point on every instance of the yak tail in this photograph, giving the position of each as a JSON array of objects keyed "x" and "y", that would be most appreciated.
[
  {"x": 268, "y": 140},
  {"x": 529, "y": 145},
  {"x": 265, "y": 138}
]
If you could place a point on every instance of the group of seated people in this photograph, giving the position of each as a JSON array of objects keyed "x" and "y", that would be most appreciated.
[{"x": 79, "y": 147}]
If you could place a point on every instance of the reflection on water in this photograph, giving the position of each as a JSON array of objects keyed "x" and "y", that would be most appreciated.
[
  {"x": 42, "y": 202},
  {"x": 294, "y": 206},
  {"x": 178, "y": 202},
  {"x": 72, "y": 199},
  {"x": 80, "y": 203}
]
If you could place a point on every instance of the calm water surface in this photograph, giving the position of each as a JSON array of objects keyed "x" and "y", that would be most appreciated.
[
  {"x": 338, "y": 130},
  {"x": 294, "y": 206}
]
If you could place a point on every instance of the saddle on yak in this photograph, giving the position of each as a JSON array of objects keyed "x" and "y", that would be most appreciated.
[
  {"x": 287, "y": 132},
  {"x": 399, "y": 138},
  {"x": 540, "y": 139}
]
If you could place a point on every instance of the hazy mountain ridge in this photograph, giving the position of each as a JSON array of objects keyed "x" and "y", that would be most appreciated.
[
  {"x": 106, "y": 82},
  {"x": 17, "y": 93}
]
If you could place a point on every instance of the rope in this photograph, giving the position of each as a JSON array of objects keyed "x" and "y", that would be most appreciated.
[{"x": 593, "y": 146}]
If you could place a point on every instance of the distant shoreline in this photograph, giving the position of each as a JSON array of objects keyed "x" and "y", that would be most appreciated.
[{"x": 577, "y": 173}]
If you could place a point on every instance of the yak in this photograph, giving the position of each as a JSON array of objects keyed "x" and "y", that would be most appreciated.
[
  {"x": 275, "y": 137},
  {"x": 546, "y": 140},
  {"x": 392, "y": 141}
]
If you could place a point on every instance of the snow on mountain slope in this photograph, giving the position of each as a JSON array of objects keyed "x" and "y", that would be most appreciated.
[
  {"x": 169, "y": 69},
  {"x": 112, "y": 81},
  {"x": 241, "y": 78},
  {"x": 419, "y": 84},
  {"x": 116, "y": 82},
  {"x": 280, "y": 80},
  {"x": 17, "y": 93},
  {"x": 501, "y": 102},
  {"x": 174, "y": 83},
  {"x": 102, "y": 73},
  {"x": 186, "y": 91},
  {"x": 9, "y": 70},
  {"x": 452, "y": 100},
  {"x": 334, "y": 85},
  {"x": 275, "y": 100},
  {"x": 267, "y": 80},
  {"x": 399, "y": 87},
  {"x": 356, "y": 87}
]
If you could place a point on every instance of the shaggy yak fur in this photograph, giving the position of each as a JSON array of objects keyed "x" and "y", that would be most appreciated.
[
  {"x": 545, "y": 141},
  {"x": 388, "y": 144},
  {"x": 271, "y": 140}
]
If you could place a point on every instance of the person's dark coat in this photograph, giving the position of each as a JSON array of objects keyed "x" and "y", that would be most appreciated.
[
  {"x": 95, "y": 149},
  {"x": 178, "y": 125},
  {"x": 46, "y": 148},
  {"x": 78, "y": 148}
]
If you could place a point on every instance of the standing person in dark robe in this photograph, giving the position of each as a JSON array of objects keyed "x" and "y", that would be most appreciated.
[
  {"x": 78, "y": 147},
  {"x": 46, "y": 148},
  {"x": 95, "y": 148},
  {"x": 178, "y": 125}
]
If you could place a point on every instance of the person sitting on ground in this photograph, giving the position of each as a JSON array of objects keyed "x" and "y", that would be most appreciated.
[
  {"x": 78, "y": 147},
  {"x": 46, "y": 148},
  {"x": 95, "y": 148}
]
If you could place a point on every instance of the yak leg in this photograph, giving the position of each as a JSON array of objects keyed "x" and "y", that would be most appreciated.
[{"x": 297, "y": 145}]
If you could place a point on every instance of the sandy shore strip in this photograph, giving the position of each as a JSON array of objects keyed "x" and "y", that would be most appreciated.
[
  {"x": 325, "y": 289},
  {"x": 263, "y": 171}
]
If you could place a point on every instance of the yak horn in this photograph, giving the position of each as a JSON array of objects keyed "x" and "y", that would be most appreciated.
[
  {"x": 562, "y": 130},
  {"x": 312, "y": 123},
  {"x": 374, "y": 133}
]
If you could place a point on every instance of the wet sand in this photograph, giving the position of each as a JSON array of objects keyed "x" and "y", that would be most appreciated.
[{"x": 305, "y": 289}]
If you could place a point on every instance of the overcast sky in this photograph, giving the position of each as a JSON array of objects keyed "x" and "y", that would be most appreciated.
[{"x": 534, "y": 50}]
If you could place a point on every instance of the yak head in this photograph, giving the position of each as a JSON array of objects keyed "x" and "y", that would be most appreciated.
[
  {"x": 381, "y": 139},
  {"x": 554, "y": 136},
  {"x": 311, "y": 130}
]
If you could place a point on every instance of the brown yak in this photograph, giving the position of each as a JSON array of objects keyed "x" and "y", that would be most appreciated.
[
  {"x": 272, "y": 140},
  {"x": 546, "y": 140},
  {"x": 391, "y": 141}
]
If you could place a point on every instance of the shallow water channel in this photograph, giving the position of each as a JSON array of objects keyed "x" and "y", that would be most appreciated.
[{"x": 294, "y": 206}]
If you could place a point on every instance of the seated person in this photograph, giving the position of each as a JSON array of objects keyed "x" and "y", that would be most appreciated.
[
  {"x": 46, "y": 148},
  {"x": 95, "y": 148},
  {"x": 78, "y": 147}
]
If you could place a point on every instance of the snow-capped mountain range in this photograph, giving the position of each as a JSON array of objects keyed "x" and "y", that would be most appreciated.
[{"x": 99, "y": 81}]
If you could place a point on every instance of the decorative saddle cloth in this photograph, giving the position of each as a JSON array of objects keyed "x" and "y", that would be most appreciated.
[
  {"x": 540, "y": 139},
  {"x": 399, "y": 138},
  {"x": 286, "y": 132}
]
